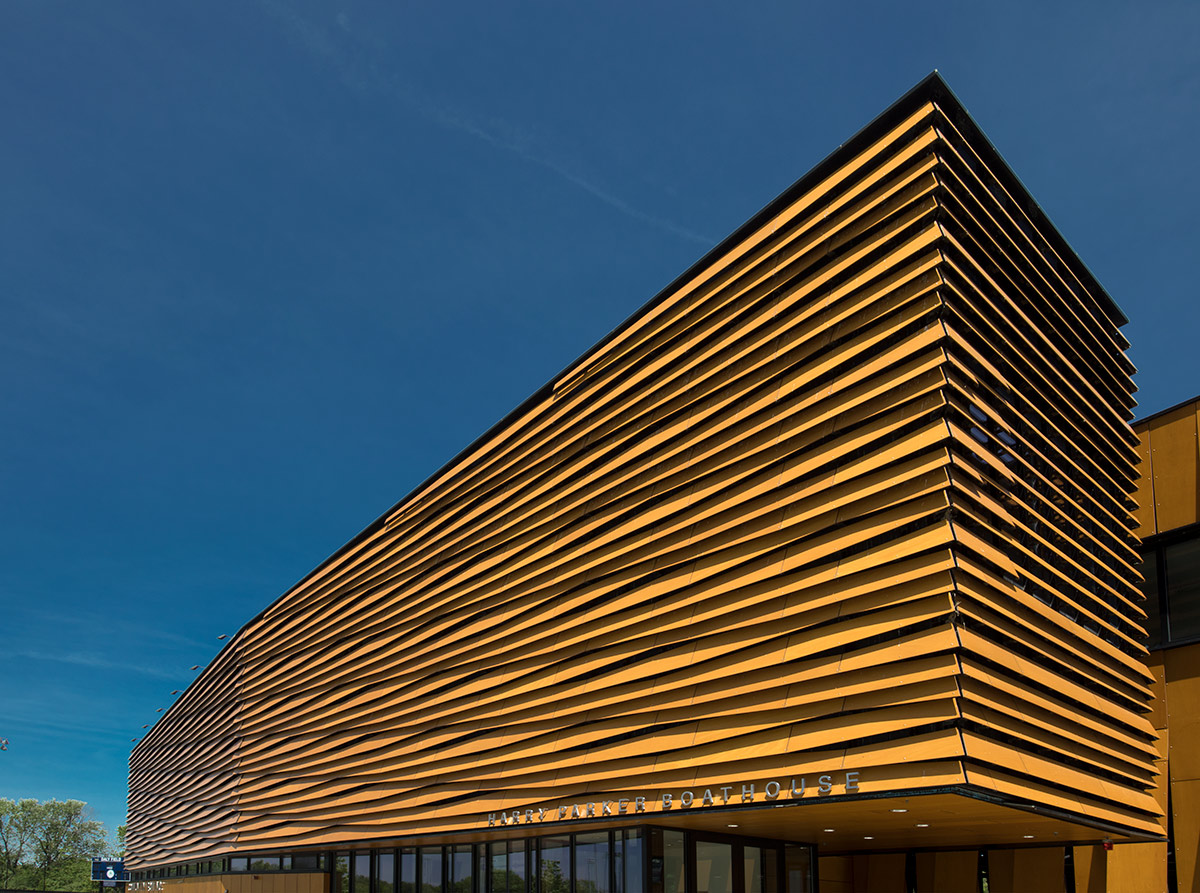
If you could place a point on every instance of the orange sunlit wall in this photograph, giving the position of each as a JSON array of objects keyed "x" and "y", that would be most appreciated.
[{"x": 1168, "y": 510}]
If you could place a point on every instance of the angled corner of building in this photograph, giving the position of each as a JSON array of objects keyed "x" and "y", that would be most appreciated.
[{"x": 829, "y": 549}]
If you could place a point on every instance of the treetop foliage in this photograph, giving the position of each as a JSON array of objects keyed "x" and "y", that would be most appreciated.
[{"x": 49, "y": 845}]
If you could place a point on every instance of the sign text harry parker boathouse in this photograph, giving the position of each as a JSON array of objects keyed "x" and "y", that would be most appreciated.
[{"x": 714, "y": 796}]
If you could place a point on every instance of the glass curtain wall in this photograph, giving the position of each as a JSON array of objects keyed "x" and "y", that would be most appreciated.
[
  {"x": 554, "y": 864},
  {"x": 593, "y": 863},
  {"x": 385, "y": 872},
  {"x": 625, "y": 860}
]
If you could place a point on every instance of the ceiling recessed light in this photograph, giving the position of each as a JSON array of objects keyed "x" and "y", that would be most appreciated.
[
  {"x": 827, "y": 830},
  {"x": 868, "y": 838},
  {"x": 922, "y": 824},
  {"x": 1029, "y": 837},
  {"x": 731, "y": 826},
  {"x": 899, "y": 810}
]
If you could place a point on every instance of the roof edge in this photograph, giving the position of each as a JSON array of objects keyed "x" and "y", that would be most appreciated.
[{"x": 930, "y": 88}]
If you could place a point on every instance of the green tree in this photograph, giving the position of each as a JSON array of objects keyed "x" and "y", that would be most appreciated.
[
  {"x": 48, "y": 845},
  {"x": 552, "y": 880},
  {"x": 65, "y": 833},
  {"x": 17, "y": 822}
]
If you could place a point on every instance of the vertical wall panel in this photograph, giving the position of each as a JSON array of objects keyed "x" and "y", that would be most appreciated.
[
  {"x": 1039, "y": 870},
  {"x": 1145, "y": 491},
  {"x": 836, "y": 874},
  {"x": 1174, "y": 454},
  {"x": 1182, "y": 667},
  {"x": 953, "y": 870},
  {"x": 884, "y": 873},
  {"x": 1183, "y": 715},
  {"x": 1137, "y": 868},
  {"x": 1091, "y": 869}
]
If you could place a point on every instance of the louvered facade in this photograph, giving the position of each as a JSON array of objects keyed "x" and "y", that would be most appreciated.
[{"x": 837, "y": 526}]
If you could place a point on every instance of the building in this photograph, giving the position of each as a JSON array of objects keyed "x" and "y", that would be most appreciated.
[
  {"x": 821, "y": 568},
  {"x": 1168, "y": 518}
]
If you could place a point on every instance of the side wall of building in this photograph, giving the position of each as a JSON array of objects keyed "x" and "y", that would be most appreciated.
[{"x": 1168, "y": 511}]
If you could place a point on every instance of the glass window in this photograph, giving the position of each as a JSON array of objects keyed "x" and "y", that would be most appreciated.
[
  {"x": 770, "y": 875},
  {"x": 462, "y": 863},
  {"x": 305, "y": 862},
  {"x": 408, "y": 870},
  {"x": 798, "y": 861},
  {"x": 508, "y": 872},
  {"x": 341, "y": 873},
  {"x": 240, "y": 863},
  {"x": 628, "y": 860},
  {"x": 498, "y": 867},
  {"x": 518, "y": 867},
  {"x": 554, "y": 865},
  {"x": 1151, "y": 606},
  {"x": 285, "y": 863},
  {"x": 362, "y": 873},
  {"x": 752, "y": 863},
  {"x": 1182, "y": 568},
  {"x": 674, "y": 862},
  {"x": 714, "y": 867},
  {"x": 592, "y": 863},
  {"x": 761, "y": 866},
  {"x": 431, "y": 869},
  {"x": 385, "y": 872}
]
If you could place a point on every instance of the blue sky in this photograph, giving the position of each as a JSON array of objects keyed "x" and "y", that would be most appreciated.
[{"x": 265, "y": 265}]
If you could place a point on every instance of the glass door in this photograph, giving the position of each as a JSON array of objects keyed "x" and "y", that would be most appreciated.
[{"x": 714, "y": 867}]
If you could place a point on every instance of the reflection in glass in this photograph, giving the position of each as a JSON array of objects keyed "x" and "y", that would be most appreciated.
[
  {"x": 431, "y": 869},
  {"x": 628, "y": 859},
  {"x": 770, "y": 870},
  {"x": 714, "y": 867},
  {"x": 752, "y": 862},
  {"x": 408, "y": 870},
  {"x": 517, "y": 868},
  {"x": 507, "y": 860},
  {"x": 461, "y": 865},
  {"x": 554, "y": 865},
  {"x": 1182, "y": 569},
  {"x": 498, "y": 867},
  {"x": 362, "y": 873},
  {"x": 591, "y": 863},
  {"x": 674, "y": 862},
  {"x": 341, "y": 873},
  {"x": 385, "y": 872},
  {"x": 1151, "y": 605},
  {"x": 799, "y": 864}
]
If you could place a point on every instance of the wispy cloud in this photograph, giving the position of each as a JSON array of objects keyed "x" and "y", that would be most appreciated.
[
  {"x": 363, "y": 74},
  {"x": 94, "y": 725},
  {"x": 89, "y": 622},
  {"x": 93, "y": 662}
]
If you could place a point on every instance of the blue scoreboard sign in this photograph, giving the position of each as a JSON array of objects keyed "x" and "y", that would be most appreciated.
[{"x": 109, "y": 872}]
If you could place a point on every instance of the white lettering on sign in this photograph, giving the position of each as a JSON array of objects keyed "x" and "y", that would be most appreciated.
[{"x": 794, "y": 788}]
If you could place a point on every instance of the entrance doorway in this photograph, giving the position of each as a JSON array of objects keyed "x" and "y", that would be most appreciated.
[
  {"x": 692, "y": 862},
  {"x": 734, "y": 866}
]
